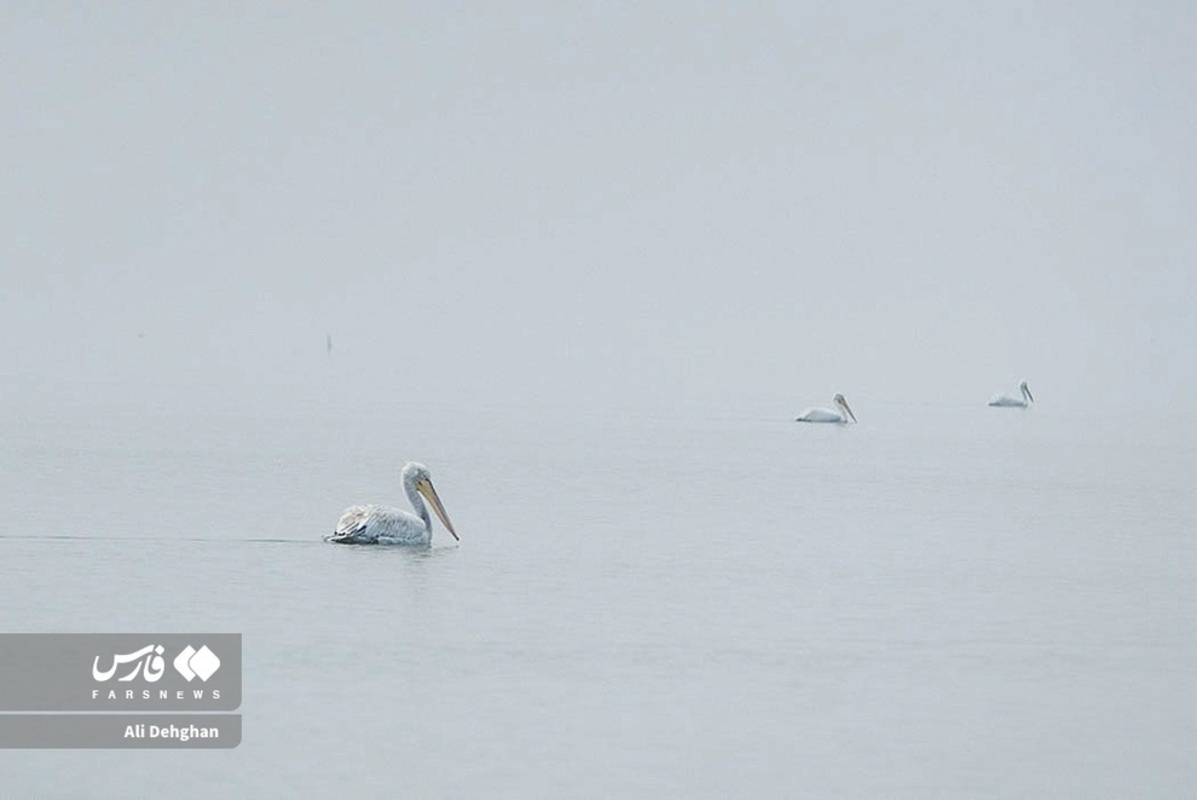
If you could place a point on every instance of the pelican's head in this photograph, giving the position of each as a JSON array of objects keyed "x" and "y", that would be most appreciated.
[
  {"x": 843, "y": 404},
  {"x": 418, "y": 477},
  {"x": 1026, "y": 391}
]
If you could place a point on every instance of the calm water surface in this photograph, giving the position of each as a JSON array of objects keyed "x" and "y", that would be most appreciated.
[{"x": 942, "y": 601}]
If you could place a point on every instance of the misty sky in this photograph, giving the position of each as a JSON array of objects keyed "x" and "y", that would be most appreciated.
[{"x": 635, "y": 204}]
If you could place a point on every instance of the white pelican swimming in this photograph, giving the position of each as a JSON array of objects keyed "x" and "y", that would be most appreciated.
[
  {"x": 387, "y": 525},
  {"x": 826, "y": 414},
  {"x": 1006, "y": 401}
]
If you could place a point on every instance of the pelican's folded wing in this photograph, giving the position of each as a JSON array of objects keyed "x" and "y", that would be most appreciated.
[{"x": 352, "y": 526}]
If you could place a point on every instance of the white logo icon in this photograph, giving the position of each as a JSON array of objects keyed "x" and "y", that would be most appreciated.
[
  {"x": 153, "y": 663},
  {"x": 192, "y": 663}
]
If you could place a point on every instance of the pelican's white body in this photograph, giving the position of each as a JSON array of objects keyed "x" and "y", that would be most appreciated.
[
  {"x": 820, "y": 415},
  {"x": 373, "y": 524},
  {"x": 376, "y": 524},
  {"x": 1006, "y": 401},
  {"x": 827, "y": 415}
]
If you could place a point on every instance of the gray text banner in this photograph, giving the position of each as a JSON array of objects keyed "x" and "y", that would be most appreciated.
[
  {"x": 119, "y": 731},
  {"x": 162, "y": 672}
]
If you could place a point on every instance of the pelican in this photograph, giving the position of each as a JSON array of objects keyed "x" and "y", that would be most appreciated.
[
  {"x": 386, "y": 525},
  {"x": 1006, "y": 401},
  {"x": 826, "y": 414}
]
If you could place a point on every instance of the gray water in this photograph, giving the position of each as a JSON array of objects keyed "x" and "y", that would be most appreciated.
[{"x": 942, "y": 601}]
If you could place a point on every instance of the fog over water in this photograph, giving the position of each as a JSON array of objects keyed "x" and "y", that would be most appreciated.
[{"x": 688, "y": 205}]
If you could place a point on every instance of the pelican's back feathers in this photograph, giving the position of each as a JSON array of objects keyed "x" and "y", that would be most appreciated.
[{"x": 374, "y": 524}]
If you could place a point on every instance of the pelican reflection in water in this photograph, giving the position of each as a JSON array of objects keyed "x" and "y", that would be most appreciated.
[
  {"x": 826, "y": 414},
  {"x": 374, "y": 524}
]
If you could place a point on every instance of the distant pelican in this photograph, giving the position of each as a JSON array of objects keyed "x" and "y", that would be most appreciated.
[
  {"x": 826, "y": 414},
  {"x": 387, "y": 525},
  {"x": 1006, "y": 401}
]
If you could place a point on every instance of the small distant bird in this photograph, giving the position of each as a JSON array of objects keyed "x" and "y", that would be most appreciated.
[
  {"x": 328, "y": 338},
  {"x": 826, "y": 414},
  {"x": 1006, "y": 401}
]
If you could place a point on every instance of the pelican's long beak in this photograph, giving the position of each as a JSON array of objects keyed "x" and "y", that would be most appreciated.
[
  {"x": 844, "y": 403},
  {"x": 424, "y": 487}
]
